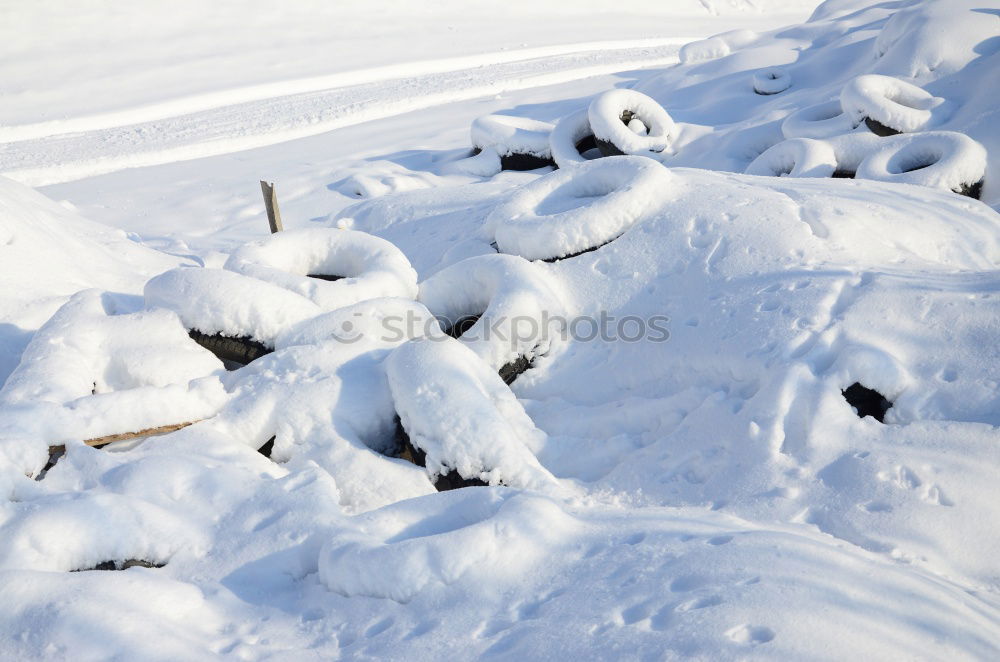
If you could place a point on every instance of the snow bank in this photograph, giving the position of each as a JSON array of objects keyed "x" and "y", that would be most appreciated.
[
  {"x": 578, "y": 208},
  {"x": 366, "y": 266},
  {"x": 463, "y": 417},
  {"x": 519, "y": 308},
  {"x": 219, "y": 301},
  {"x": 468, "y": 536},
  {"x": 63, "y": 534},
  {"x": 89, "y": 372}
]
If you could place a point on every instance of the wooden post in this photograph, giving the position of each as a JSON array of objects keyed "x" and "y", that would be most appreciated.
[{"x": 271, "y": 205}]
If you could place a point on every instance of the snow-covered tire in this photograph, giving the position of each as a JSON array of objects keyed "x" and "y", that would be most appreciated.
[
  {"x": 522, "y": 143},
  {"x": 888, "y": 105},
  {"x": 304, "y": 261},
  {"x": 611, "y": 114},
  {"x": 850, "y": 149},
  {"x": 596, "y": 201},
  {"x": 483, "y": 163},
  {"x": 820, "y": 120},
  {"x": 771, "y": 81},
  {"x": 937, "y": 159},
  {"x": 798, "y": 157},
  {"x": 510, "y": 301},
  {"x": 235, "y": 317},
  {"x": 462, "y": 418},
  {"x": 571, "y": 138}
]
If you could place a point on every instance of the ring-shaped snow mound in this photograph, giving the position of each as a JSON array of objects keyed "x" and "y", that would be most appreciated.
[
  {"x": 521, "y": 142},
  {"x": 462, "y": 416},
  {"x": 820, "y": 120},
  {"x": 771, "y": 81},
  {"x": 366, "y": 267},
  {"x": 570, "y": 139},
  {"x": 611, "y": 113},
  {"x": 892, "y": 103},
  {"x": 215, "y": 301},
  {"x": 578, "y": 208},
  {"x": 797, "y": 157},
  {"x": 937, "y": 159},
  {"x": 513, "y": 298}
]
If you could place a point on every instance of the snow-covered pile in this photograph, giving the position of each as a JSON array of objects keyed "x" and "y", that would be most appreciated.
[{"x": 678, "y": 468}]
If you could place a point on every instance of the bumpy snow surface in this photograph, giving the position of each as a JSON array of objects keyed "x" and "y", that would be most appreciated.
[{"x": 731, "y": 393}]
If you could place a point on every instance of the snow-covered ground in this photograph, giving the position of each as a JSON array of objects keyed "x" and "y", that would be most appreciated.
[{"x": 677, "y": 474}]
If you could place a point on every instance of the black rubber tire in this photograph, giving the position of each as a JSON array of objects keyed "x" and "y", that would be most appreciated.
[
  {"x": 234, "y": 351},
  {"x": 880, "y": 129},
  {"x": 449, "y": 481}
]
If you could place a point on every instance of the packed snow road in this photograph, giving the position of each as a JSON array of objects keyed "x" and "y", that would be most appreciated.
[{"x": 55, "y": 152}]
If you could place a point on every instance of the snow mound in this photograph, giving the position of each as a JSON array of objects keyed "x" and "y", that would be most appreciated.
[
  {"x": 517, "y": 305},
  {"x": 820, "y": 120},
  {"x": 937, "y": 159},
  {"x": 611, "y": 114},
  {"x": 578, "y": 208},
  {"x": 225, "y": 302},
  {"x": 467, "y": 536},
  {"x": 509, "y": 135},
  {"x": 569, "y": 135},
  {"x": 797, "y": 157},
  {"x": 366, "y": 267},
  {"x": 463, "y": 417}
]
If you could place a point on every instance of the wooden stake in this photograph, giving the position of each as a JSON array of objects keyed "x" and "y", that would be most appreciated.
[
  {"x": 125, "y": 436},
  {"x": 271, "y": 205}
]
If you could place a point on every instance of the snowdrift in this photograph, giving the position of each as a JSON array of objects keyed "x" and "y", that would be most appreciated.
[{"x": 680, "y": 466}]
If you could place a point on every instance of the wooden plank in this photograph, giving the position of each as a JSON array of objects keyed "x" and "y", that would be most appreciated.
[
  {"x": 271, "y": 206},
  {"x": 125, "y": 436}
]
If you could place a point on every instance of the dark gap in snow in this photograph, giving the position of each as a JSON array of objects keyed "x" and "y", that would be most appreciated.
[
  {"x": 234, "y": 351},
  {"x": 578, "y": 253},
  {"x": 608, "y": 148},
  {"x": 122, "y": 565},
  {"x": 266, "y": 449},
  {"x": 971, "y": 190},
  {"x": 324, "y": 277},
  {"x": 55, "y": 453},
  {"x": 509, "y": 372},
  {"x": 407, "y": 451},
  {"x": 867, "y": 402},
  {"x": 843, "y": 174},
  {"x": 879, "y": 129},
  {"x": 462, "y": 325},
  {"x": 516, "y": 161}
]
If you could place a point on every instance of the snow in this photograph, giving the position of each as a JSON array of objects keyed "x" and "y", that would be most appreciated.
[
  {"x": 771, "y": 81},
  {"x": 366, "y": 267},
  {"x": 457, "y": 411},
  {"x": 605, "y": 113},
  {"x": 677, "y": 473},
  {"x": 218, "y": 301},
  {"x": 516, "y": 299},
  {"x": 796, "y": 157},
  {"x": 940, "y": 159},
  {"x": 578, "y": 208},
  {"x": 512, "y": 135},
  {"x": 890, "y": 101}
]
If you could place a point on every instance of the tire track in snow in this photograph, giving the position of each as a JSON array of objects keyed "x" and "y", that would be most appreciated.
[{"x": 171, "y": 132}]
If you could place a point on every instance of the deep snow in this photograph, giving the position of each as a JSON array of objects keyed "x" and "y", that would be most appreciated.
[{"x": 699, "y": 489}]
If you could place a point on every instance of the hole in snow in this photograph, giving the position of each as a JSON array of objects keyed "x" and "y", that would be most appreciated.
[
  {"x": 266, "y": 449},
  {"x": 878, "y": 128},
  {"x": 324, "y": 277},
  {"x": 867, "y": 402},
  {"x": 843, "y": 174},
  {"x": 234, "y": 351},
  {"x": 451, "y": 480},
  {"x": 461, "y": 325},
  {"x": 122, "y": 565}
]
